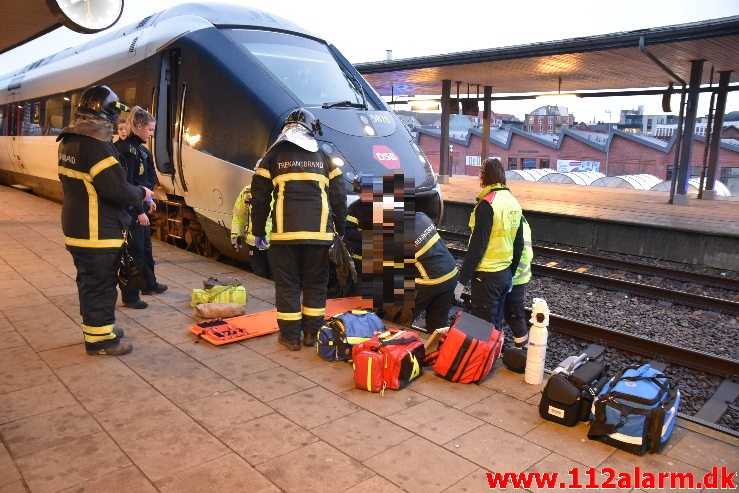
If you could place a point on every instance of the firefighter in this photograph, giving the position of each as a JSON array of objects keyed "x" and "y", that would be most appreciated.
[
  {"x": 95, "y": 215},
  {"x": 495, "y": 244},
  {"x": 309, "y": 208},
  {"x": 436, "y": 275}
]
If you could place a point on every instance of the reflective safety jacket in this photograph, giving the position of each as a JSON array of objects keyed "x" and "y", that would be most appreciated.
[
  {"x": 434, "y": 263},
  {"x": 523, "y": 271},
  {"x": 353, "y": 236},
  {"x": 241, "y": 224},
  {"x": 96, "y": 193},
  {"x": 309, "y": 196},
  {"x": 496, "y": 242}
]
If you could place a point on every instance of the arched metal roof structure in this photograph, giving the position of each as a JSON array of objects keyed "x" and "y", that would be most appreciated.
[
  {"x": 528, "y": 174},
  {"x": 637, "y": 182},
  {"x": 573, "y": 177},
  {"x": 693, "y": 184}
]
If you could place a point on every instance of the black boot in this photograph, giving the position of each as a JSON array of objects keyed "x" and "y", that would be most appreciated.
[{"x": 309, "y": 338}]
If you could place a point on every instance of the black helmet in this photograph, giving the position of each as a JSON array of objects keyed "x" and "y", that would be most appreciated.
[
  {"x": 101, "y": 101},
  {"x": 306, "y": 119}
]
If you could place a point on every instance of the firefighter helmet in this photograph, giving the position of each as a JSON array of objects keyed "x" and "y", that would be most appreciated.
[{"x": 102, "y": 102}]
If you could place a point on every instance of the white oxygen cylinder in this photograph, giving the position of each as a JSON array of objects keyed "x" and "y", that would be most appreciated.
[{"x": 538, "y": 335}]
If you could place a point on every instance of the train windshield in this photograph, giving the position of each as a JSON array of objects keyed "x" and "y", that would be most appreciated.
[{"x": 305, "y": 66}]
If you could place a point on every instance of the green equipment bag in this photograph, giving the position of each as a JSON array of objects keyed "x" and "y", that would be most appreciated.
[{"x": 233, "y": 293}]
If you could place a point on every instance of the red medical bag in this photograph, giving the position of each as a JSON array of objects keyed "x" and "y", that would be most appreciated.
[
  {"x": 468, "y": 350},
  {"x": 390, "y": 360}
]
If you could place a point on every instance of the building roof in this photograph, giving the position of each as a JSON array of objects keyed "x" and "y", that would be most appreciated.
[
  {"x": 637, "y": 182},
  {"x": 573, "y": 177}
]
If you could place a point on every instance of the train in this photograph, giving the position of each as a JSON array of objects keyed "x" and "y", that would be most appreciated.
[{"x": 220, "y": 80}]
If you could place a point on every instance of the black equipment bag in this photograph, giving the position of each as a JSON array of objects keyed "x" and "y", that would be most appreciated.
[
  {"x": 126, "y": 269},
  {"x": 569, "y": 392}
]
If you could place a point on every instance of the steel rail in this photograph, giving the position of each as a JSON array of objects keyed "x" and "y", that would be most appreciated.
[
  {"x": 655, "y": 270},
  {"x": 629, "y": 265},
  {"x": 645, "y": 290},
  {"x": 688, "y": 358}
]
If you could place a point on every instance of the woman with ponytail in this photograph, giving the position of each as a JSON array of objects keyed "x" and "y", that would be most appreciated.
[{"x": 139, "y": 164}]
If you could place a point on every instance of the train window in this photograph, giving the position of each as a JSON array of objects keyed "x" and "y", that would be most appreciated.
[
  {"x": 126, "y": 92},
  {"x": 31, "y": 118},
  {"x": 55, "y": 115},
  {"x": 306, "y": 67}
]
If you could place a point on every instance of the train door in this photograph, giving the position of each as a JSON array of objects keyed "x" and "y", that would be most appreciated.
[
  {"x": 14, "y": 115},
  {"x": 167, "y": 139}
]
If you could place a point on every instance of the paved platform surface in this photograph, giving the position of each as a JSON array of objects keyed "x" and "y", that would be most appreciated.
[
  {"x": 181, "y": 416},
  {"x": 720, "y": 216}
]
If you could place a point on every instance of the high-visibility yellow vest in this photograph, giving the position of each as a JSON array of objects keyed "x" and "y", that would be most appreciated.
[
  {"x": 506, "y": 219},
  {"x": 523, "y": 272},
  {"x": 241, "y": 218}
]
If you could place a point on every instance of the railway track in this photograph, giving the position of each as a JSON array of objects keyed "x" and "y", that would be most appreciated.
[
  {"x": 722, "y": 371},
  {"x": 616, "y": 283}
]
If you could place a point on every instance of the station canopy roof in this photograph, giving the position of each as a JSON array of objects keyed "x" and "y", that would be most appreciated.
[
  {"x": 608, "y": 62},
  {"x": 623, "y": 61},
  {"x": 24, "y": 21}
]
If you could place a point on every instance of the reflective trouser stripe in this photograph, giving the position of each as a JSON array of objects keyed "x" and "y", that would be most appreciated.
[{"x": 98, "y": 334}]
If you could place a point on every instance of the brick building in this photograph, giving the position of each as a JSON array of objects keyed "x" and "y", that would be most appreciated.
[{"x": 617, "y": 153}]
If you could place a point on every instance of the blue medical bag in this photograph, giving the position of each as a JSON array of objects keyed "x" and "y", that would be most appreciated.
[
  {"x": 337, "y": 336},
  {"x": 636, "y": 410}
]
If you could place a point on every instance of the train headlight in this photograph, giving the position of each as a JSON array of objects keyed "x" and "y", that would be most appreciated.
[{"x": 367, "y": 126}]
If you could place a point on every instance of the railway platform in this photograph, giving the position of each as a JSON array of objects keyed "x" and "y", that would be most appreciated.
[
  {"x": 636, "y": 222},
  {"x": 176, "y": 415}
]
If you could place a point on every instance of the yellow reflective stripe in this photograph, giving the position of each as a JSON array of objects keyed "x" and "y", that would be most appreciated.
[
  {"x": 289, "y": 316},
  {"x": 428, "y": 245},
  {"x": 93, "y": 243},
  {"x": 416, "y": 367},
  {"x": 102, "y": 165},
  {"x": 324, "y": 210},
  {"x": 97, "y": 334},
  {"x": 334, "y": 173},
  {"x": 301, "y": 235},
  {"x": 438, "y": 280},
  {"x": 280, "y": 182},
  {"x": 305, "y": 176},
  {"x": 92, "y": 197},
  {"x": 314, "y": 312},
  {"x": 71, "y": 173},
  {"x": 97, "y": 331},
  {"x": 92, "y": 211},
  {"x": 263, "y": 172},
  {"x": 421, "y": 270},
  {"x": 369, "y": 374},
  {"x": 352, "y": 219}
]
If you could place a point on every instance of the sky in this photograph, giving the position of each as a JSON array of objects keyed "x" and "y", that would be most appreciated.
[{"x": 364, "y": 31}]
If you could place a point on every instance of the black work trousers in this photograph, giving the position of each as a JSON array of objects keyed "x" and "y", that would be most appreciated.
[
  {"x": 514, "y": 311},
  {"x": 488, "y": 291},
  {"x": 299, "y": 270},
  {"x": 436, "y": 299},
  {"x": 140, "y": 247},
  {"x": 96, "y": 280}
]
